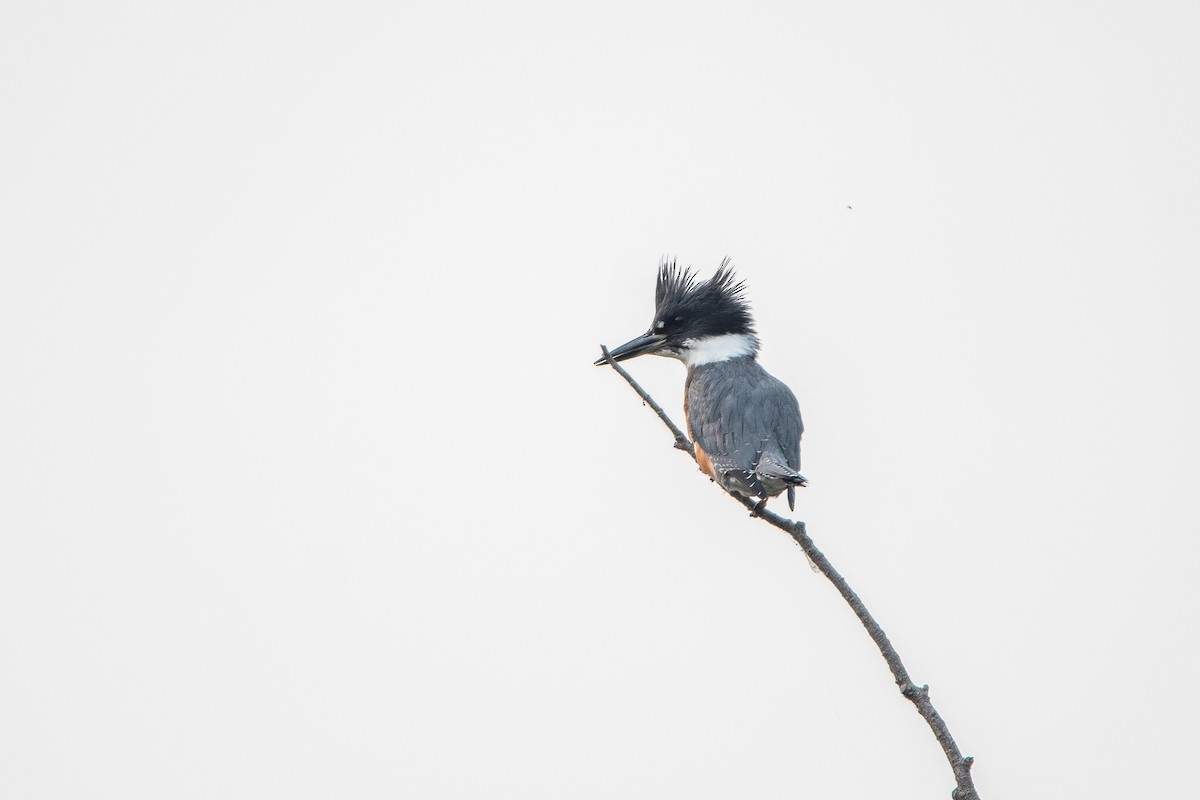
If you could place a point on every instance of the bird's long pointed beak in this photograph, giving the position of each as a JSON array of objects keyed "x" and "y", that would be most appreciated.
[{"x": 646, "y": 343}]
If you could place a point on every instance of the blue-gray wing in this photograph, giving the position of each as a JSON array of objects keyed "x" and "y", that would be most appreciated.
[{"x": 748, "y": 424}]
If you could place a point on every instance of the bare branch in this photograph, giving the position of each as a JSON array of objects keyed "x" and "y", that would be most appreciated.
[
  {"x": 919, "y": 695},
  {"x": 681, "y": 441}
]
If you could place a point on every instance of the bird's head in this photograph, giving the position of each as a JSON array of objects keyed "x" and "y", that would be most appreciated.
[{"x": 697, "y": 323}]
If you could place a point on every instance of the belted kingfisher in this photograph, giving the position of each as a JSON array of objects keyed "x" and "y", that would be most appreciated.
[{"x": 745, "y": 423}]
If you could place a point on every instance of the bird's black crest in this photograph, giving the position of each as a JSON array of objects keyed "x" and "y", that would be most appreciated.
[
  {"x": 718, "y": 304},
  {"x": 673, "y": 283}
]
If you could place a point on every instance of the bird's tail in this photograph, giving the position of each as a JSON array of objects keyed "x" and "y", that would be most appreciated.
[{"x": 769, "y": 468}]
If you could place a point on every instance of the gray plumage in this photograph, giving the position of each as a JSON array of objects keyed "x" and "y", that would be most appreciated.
[{"x": 748, "y": 424}]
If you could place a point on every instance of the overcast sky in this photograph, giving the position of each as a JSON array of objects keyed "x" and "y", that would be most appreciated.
[{"x": 310, "y": 489}]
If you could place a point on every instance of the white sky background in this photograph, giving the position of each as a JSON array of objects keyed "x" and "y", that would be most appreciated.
[{"x": 311, "y": 490}]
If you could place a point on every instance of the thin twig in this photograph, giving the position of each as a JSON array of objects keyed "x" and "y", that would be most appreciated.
[
  {"x": 681, "y": 441},
  {"x": 919, "y": 695}
]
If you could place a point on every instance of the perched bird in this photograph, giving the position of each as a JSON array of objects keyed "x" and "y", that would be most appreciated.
[{"x": 745, "y": 423}]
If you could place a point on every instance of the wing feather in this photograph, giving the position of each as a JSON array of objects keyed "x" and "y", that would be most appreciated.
[{"x": 747, "y": 421}]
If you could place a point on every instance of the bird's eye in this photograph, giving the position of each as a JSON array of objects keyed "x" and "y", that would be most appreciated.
[{"x": 660, "y": 325}]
